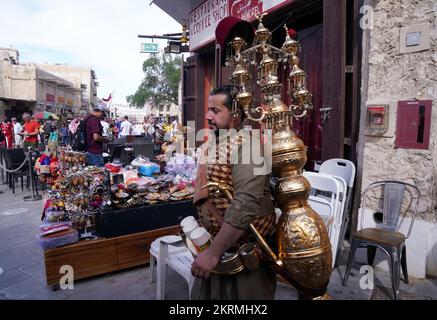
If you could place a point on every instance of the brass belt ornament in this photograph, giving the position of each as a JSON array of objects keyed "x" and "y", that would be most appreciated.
[{"x": 246, "y": 257}]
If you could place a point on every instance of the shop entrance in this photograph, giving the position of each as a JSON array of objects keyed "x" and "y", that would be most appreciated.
[
  {"x": 329, "y": 34},
  {"x": 330, "y": 38}
]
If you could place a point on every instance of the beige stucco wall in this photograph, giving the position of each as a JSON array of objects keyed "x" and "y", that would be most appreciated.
[
  {"x": 17, "y": 81},
  {"x": 392, "y": 77},
  {"x": 76, "y": 75}
]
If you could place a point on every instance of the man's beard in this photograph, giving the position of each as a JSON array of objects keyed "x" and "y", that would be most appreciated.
[{"x": 215, "y": 130}]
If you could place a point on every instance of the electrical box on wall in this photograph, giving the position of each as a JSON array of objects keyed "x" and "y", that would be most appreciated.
[
  {"x": 415, "y": 38},
  {"x": 377, "y": 119},
  {"x": 413, "y": 124}
]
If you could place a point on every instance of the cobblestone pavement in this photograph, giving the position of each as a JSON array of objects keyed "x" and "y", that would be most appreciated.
[{"x": 22, "y": 273}]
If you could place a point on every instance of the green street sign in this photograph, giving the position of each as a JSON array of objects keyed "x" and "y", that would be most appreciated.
[{"x": 149, "y": 48}]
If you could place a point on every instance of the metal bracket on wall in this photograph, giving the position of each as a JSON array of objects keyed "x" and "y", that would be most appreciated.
[{"x": 325, "y": 113}]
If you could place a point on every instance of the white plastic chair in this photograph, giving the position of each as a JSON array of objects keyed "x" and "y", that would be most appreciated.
[
  {"x": 341, "y": 168},
  {"x": 331, "y": 185},
  {"x": 154, "y": 251},
  {"x": 345, "y": 169},
  {"x": 172, "y": 250},
  {"x": 173, "y": 253},
  {"x": 324, "y": 209}
]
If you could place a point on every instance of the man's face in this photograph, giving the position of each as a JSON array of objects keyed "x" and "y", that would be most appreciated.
[
  {"x": 100, "y": 115},
  {"x": 219, "y": 116},
  {"x": 26, "y": 117}
]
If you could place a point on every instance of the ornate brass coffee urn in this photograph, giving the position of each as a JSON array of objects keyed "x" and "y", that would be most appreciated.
[{"x": 304, "y": 255}]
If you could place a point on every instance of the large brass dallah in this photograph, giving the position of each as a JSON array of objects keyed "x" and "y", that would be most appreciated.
[{"x": 304, "y": 255}]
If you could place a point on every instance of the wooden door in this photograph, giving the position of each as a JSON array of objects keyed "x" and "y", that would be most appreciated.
[
  {"x": 191, "y": 89},
  {"x": 193, "y": 94},
  {"x": 333, "y": 89},
  {"x": 309, "y": 128}
]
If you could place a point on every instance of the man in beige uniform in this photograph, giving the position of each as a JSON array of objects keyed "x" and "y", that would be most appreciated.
[{"x": 228, "y": 221}]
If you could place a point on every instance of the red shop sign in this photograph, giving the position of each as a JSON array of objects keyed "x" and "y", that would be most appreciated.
[
  {"x": 246, "y": 9},
  {"x": 50, "y": 97}
]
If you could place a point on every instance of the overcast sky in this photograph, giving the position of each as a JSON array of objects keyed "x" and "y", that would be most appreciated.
[{"x": 102, "y": 34}]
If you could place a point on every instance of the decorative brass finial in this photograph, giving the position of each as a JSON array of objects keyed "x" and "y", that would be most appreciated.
[
  {"x": 261, "y": 16},
  {"x": 286, "y": 30},
  {"x": 262, "y": 34},
  {"x": 290, "y": 45}
]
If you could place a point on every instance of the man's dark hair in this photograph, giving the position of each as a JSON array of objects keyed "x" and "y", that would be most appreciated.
[
  {"x": 126, "y": 117},
  {"x": 227, "y": 91}
]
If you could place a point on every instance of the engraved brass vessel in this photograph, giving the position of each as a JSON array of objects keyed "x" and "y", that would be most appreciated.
[{"x": 304, "y": 255}]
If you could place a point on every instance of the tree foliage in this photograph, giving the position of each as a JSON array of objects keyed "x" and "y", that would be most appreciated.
[{"x": 160, "y": 84}]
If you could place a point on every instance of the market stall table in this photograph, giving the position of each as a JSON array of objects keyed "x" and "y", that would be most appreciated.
[{"x": 126, "y": 238}]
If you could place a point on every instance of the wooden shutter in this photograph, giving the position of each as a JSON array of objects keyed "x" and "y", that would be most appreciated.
[{"x": 190, "y": 89}]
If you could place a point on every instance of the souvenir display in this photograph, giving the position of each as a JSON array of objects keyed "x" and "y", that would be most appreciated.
[
  {"x": 78, "y": 191},
  {"x": 73, "y": 199},
  {"x": 47, "y": 168},
  {"x": 142, "y": 183},
  {"x": 71, "y": 158}
]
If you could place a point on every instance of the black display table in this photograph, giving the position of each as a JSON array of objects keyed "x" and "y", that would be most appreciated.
[{"x": 119, "y": 222}]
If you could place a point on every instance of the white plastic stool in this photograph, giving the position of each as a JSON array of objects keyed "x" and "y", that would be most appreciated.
[{"x": 154, "y": 251}]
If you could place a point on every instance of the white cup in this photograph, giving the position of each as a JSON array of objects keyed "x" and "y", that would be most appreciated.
[
  {"x": 201, "y": 238},
  {"x": 190, "y": 227},
  {"x": 187, "y": 220}
]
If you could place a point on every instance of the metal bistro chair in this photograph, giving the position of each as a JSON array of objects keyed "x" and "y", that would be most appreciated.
[
  {"x": 14, "y": 158},
  {"x": 386, "y": 235}
]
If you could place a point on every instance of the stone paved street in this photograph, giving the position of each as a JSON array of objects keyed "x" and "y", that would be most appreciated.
[{"x": 22, "y": 273}]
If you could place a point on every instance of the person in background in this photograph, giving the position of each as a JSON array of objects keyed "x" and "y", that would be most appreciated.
[
  {"x": 151, "y": 130},
  {"x": 111, "y": 130},
  {"x": 74, "y": 125},
  {"x": 118, "y": 122},
  {"x": 145, "y": 127},
  {"x": 116, "y": 131},
  {"x": 7, "y": 129},
  {"x": 18, "y": 133},
  {"x": 174, "y": 128},
  {"x": 48, "y": 128},
  {"x": 125, "y": 127},
  {"x": 94, "y": 137},
  {"x": 137, "y": 129},
  {"x": 30, "y": 133},
  {"x": 41, "y": 132},
  {"x": 105, "y": 127},
  {"x": 64, "y": 133},
  {"x": 55, "y": 125}
]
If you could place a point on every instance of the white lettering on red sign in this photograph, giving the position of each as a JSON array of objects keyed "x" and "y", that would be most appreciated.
[
  {"x": 246, "y": 9},
  {"x": 204, "y": 19}
]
